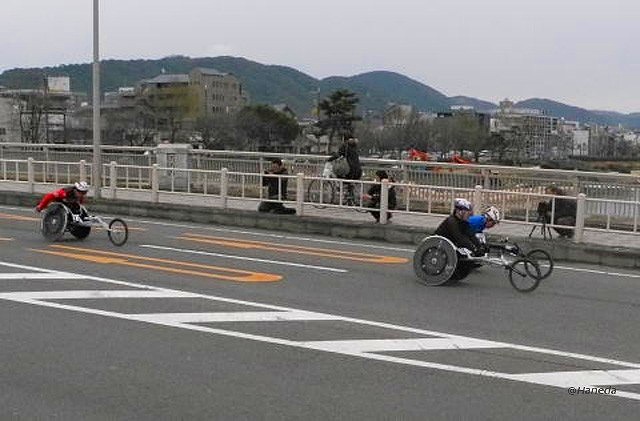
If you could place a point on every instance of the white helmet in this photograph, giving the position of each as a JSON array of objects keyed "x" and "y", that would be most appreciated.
[
  {"x": 493, "y": 213},
  {"x": 81, "y": 186},
  {"x": 463, "y": 204}
]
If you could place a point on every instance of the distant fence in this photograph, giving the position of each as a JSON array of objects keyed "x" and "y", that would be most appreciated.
[{"x": 519, "y": 204}]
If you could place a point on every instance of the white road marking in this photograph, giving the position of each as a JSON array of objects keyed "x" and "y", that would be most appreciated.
[
  {"x": 90, "y": 294},
  {"x": 356, "y": 348},
  {"x": 233, "y": 316},
  {"x": 386, "y": 345},
  {"x": 588, "y": 377},
  {"x": 24, "y": 276},
  {"x": 598, "y": 272},
  {"x": 254, "y": 259}
]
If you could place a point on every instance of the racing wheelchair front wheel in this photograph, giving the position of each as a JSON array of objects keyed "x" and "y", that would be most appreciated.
[
  {"x": 544, "y": 261},
  {"x": 524, "y": 275},
  {"x": 54, "y": 222},
  {"x": 118, "y": 232},
  {"x": 435, "y": 261}
]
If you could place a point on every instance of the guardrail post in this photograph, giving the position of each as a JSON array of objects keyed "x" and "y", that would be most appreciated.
[
  {"x": 113, "y": 178},
  {"x": 299, "y": 193},
  {"x": 580, "y": 211},
  {"x": 477, "y": 197},
  {"x": 224, "y": 186},
  {"x": 155, "y": 184},
  {"x": 405, "y": 172},
  {"x": 82, "y": 169},
  {"x": 384, "y": 201},
  {"x": 486, "y": 180},
  {"x": 30, "y": 175}
]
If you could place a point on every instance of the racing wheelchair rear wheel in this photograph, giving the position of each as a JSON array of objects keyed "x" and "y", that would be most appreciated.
[
  {"x": 118, "y": 232},
  {"x": 54, "y": 222},
  {"x": 435, "y": 260}
]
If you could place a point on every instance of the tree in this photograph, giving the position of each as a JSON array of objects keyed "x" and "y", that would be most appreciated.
[
  {"x": 338, "y": 115},
  {"x": 265, "y": 128}
]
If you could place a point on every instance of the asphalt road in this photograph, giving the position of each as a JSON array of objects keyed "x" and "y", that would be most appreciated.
[{"x": 188, "y": 321}]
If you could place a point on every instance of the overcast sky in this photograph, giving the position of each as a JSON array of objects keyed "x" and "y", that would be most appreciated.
[{"x": 581, "y": 52}]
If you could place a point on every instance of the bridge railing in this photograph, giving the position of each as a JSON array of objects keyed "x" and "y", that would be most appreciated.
[{"x": 519, "y": 206}]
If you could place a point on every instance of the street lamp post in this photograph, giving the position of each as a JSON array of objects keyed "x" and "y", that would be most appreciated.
[{"x": 97, "y": 164}]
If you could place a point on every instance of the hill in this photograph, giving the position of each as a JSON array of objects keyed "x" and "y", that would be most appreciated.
[{"x": 273, "y": 84}]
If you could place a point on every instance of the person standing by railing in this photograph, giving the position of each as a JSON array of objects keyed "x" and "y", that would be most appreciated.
[
  {"x": 276, "y": 189},
  {"x": 349, "y": 150},
  {"x": 374, "y": 193}
]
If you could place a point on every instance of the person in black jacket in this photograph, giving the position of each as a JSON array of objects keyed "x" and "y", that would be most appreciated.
[
  {"x": 349, "y": 149},
  {"x": 276, "y": 188},
  {"x": 564, "y": 214},
  {"x": 373, "y": 195},
  {"x": 456, "y": 228}
]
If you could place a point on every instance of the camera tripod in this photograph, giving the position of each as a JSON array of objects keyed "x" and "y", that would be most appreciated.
[{"x": 544, "y": 229}]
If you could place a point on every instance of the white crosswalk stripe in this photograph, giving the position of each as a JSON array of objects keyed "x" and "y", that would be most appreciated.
[{"x": 424, "y": 340}]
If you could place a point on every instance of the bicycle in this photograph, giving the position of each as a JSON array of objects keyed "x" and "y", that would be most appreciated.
[
  {"x": 437, "y": 258},
  {"x": 58, "y": 219},
  {"x": 326, "y": 191}
]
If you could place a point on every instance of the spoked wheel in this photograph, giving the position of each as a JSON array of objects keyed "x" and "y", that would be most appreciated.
[
  {"x": 118, "y": 232},
  {"x": 320, "y": 192},
  {"x": 434, "y": 261},
  {"x": 524, "y": 275},
  {"x": 54, "y": 222},
  {"x": 544, "y": 261},
  {"x": 353, "y": 197}
]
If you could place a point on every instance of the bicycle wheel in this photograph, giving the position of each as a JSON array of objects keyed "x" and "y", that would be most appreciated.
[
  {"x": 54, "y": 222},
  {"x": 520, "y": 273},
  {"x": 320, "y": 192},
  {"x": 118, "y": 232},
  {"x": 353, "y": 197},
  {"x": 544, "y": 261}
]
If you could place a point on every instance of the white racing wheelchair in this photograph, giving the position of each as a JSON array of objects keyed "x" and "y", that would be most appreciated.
[
  {"x": 58, "y": 219},
  {"x": 437, "y": 261}
]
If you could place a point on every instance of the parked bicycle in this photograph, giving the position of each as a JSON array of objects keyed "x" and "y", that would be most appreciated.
[{"x": 327, "y": 191}]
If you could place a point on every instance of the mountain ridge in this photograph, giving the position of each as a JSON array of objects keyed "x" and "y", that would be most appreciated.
[{"x": 274, "y": 84}]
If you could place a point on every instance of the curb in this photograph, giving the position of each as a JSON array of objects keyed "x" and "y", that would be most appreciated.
[{"x": 561, "y": 250}]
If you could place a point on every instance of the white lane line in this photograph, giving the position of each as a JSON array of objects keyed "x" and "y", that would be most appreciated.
[
  {"x": 582, "y": 378},
  {"x": 372, "y": 356},
  {"x": 385, "y": 345},
  {"x": 234, "y": 316},
  {"x": 26, "y": 276},
  {"x": 254, "y": 259},
  {"x": 598, "y": 272},
  {"x": 89, "y": 294}
]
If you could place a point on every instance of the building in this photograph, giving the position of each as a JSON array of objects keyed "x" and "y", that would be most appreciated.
[
  {"x": 535, "y": 134},
  {"x": 38, "y": 115},
  {"x": 218, "y": 92}
]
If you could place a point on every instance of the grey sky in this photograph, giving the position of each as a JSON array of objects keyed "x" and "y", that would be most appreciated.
[{"x": 581, "y": 52}]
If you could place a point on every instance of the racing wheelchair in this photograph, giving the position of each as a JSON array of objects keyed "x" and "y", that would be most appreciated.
[
  {"x": 58, "y": 219},
  {"x": 437, "y": 261}
]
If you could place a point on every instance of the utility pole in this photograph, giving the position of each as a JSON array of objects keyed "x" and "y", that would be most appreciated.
[{"x": 96, "y": 178}]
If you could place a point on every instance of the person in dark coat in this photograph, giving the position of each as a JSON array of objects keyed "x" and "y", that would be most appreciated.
[
  {"x": 374, "y": 193},
  {"x": 276, "y": 189},
  {"x": 565, "y": 211}
]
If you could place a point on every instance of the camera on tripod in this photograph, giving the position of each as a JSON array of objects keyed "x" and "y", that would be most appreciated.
[{"x": 544, "y": 217}]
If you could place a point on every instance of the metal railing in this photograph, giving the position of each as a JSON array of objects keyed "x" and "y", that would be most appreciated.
[{"x": 518, "y": 206}]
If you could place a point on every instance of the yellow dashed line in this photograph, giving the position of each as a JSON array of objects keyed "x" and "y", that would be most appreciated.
[
  {"x": 288, "y": 248},
  {"x": 106, "y": 257}
]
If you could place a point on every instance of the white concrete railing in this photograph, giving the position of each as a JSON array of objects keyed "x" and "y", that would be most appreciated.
[
  {"x": 618, "y": 187},
  {"x": 149, "y": 183}
]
